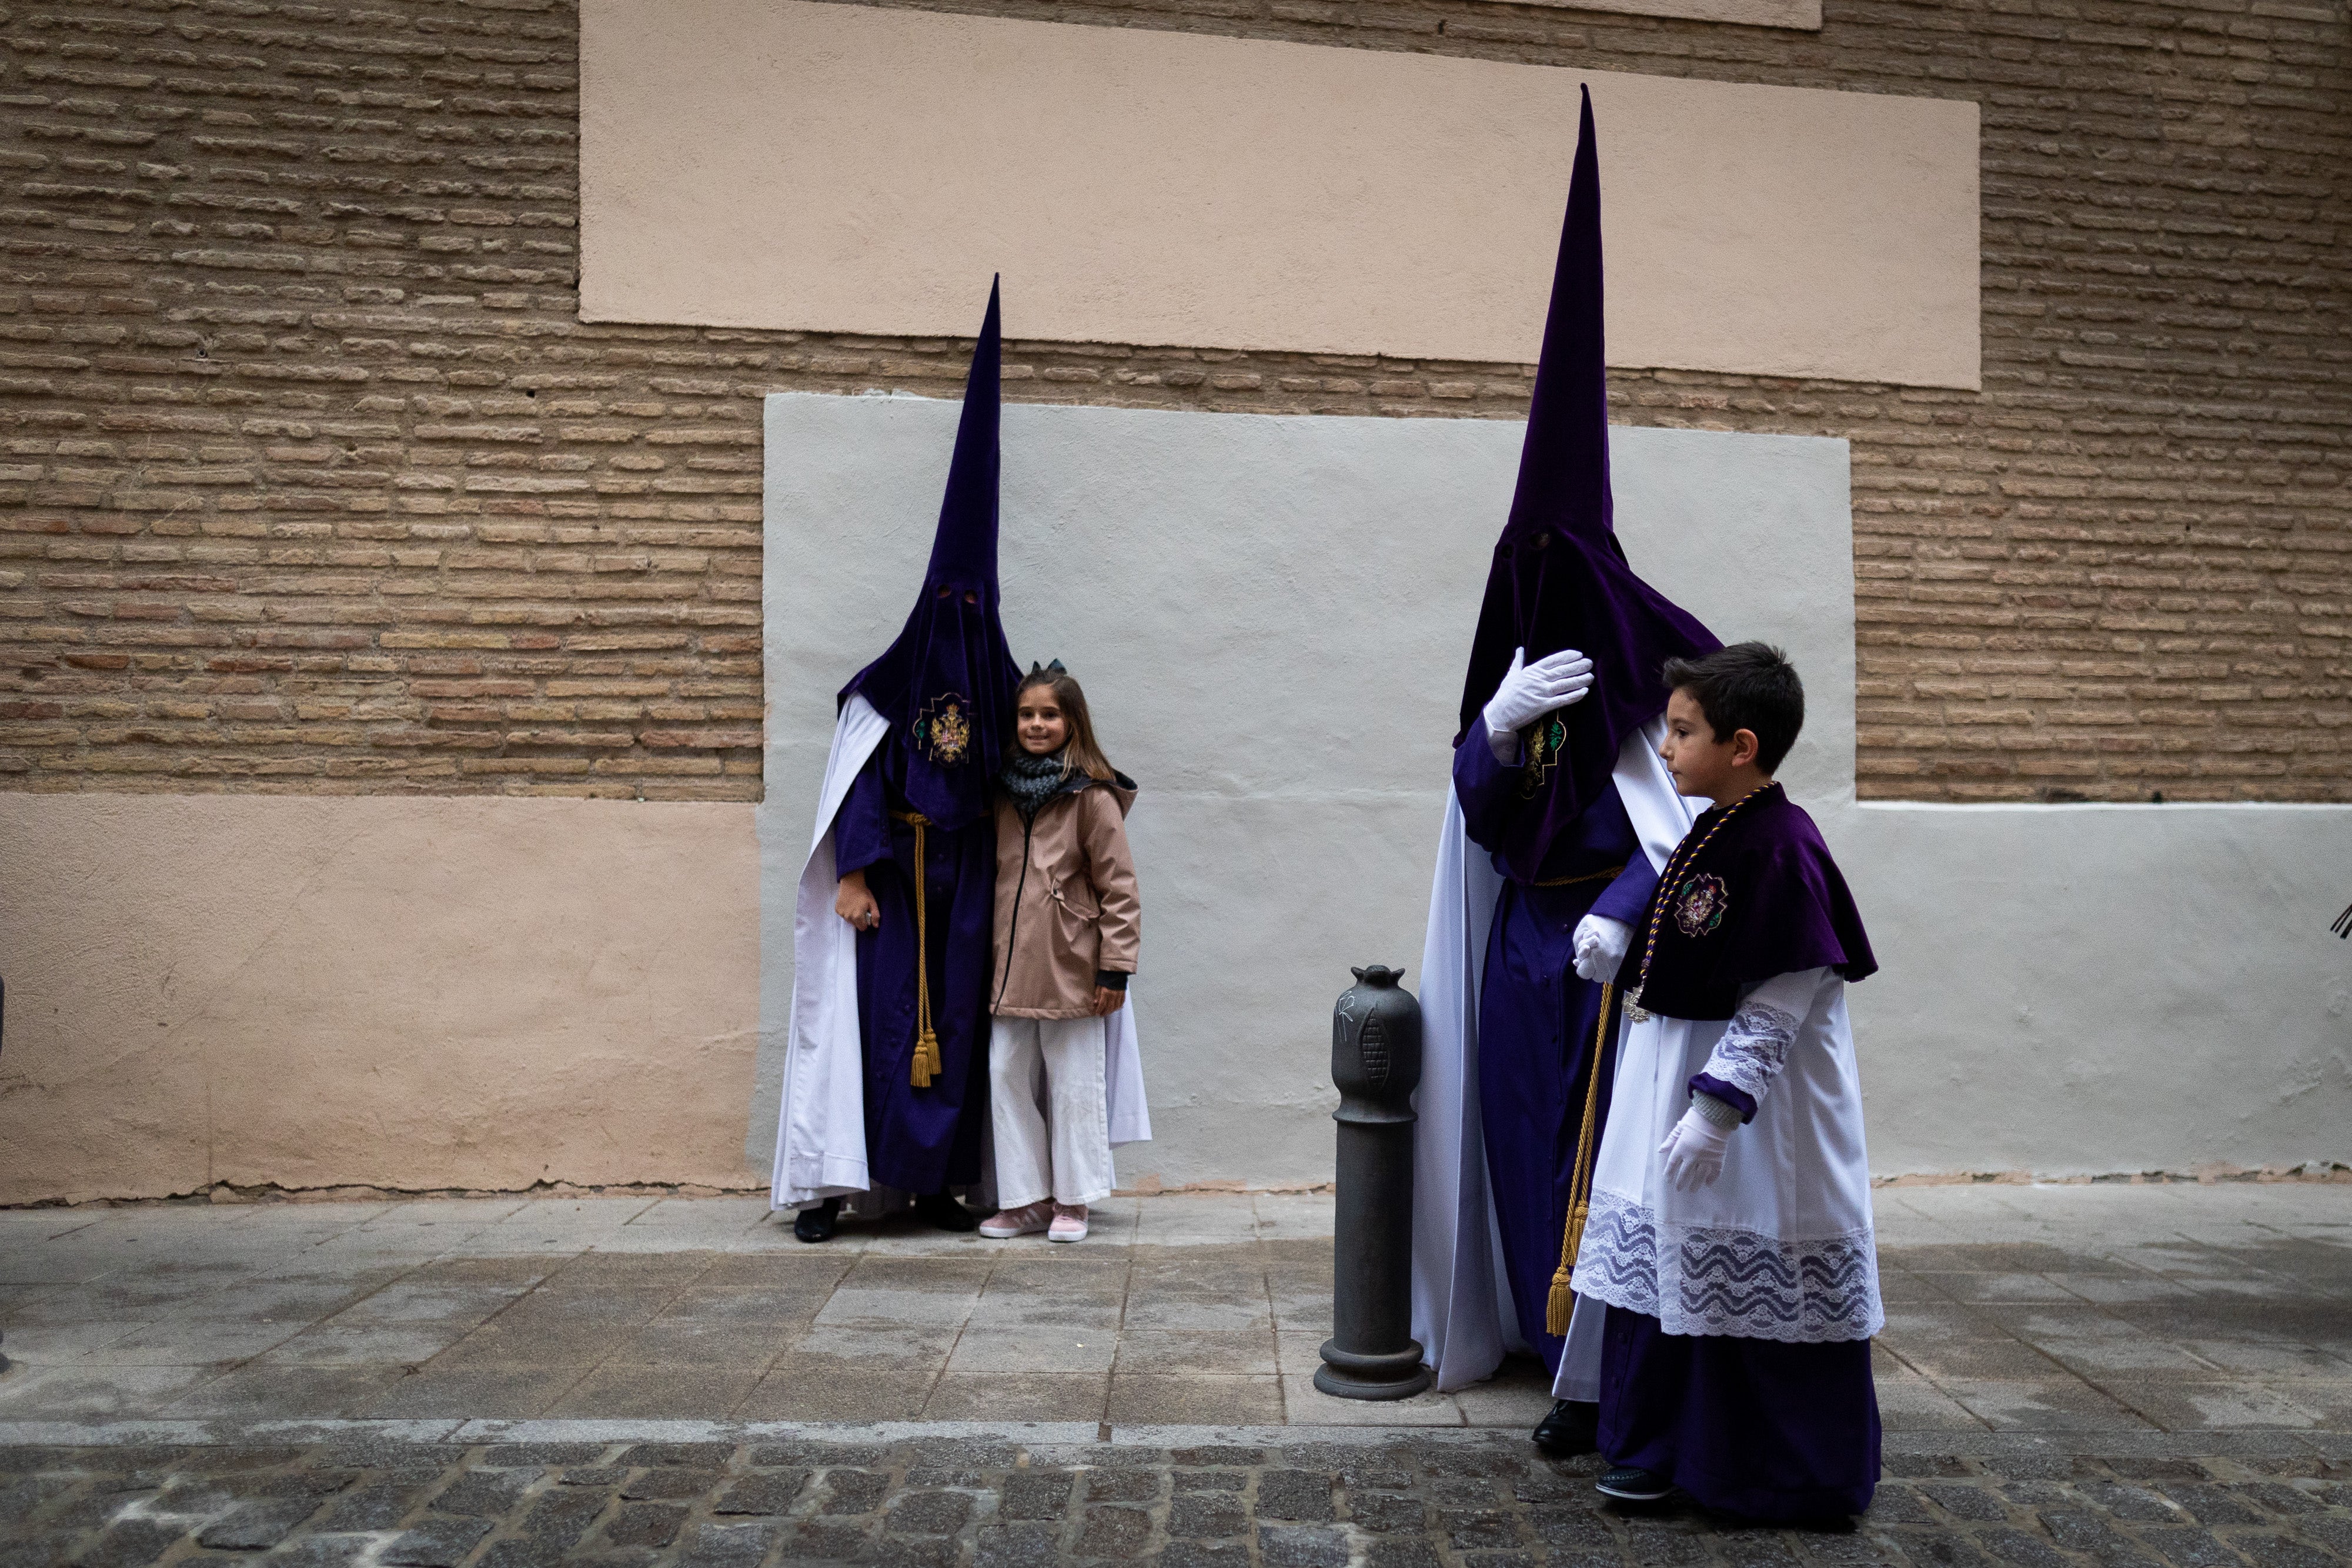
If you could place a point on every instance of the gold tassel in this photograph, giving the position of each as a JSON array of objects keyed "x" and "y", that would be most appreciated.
[
  {"x": 1562, "y": 1303},
  {"x": 927, "y": 1064}
]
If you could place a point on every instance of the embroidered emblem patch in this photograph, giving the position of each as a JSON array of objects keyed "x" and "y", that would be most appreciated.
[
  {"x": 1700, "y": 906},
  {"x": 1543, "y": 741},
  {"x": 942, "y": 731}
]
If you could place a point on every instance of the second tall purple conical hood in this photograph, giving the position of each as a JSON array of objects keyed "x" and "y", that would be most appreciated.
[
  {"x": 946, "y": 685},
  {"x": 1560, "y": 577}
]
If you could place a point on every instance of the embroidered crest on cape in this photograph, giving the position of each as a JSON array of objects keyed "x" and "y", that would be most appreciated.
[
  {"x": 1700, "y": 905},
  {"x": 942, "y": 731},
  {"x": 1543, "y": 740}
]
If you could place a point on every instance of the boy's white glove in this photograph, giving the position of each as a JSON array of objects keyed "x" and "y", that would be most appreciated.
[
  {"x": 1694, "y": 1150},
  {"x": 1530, "y": 691},
  {"x": 1600, "y": 945}
]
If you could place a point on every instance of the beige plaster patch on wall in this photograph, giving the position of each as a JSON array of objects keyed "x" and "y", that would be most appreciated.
[
  {"x": 401, "y": 993},
  {"x": 1137, "y": 186}
]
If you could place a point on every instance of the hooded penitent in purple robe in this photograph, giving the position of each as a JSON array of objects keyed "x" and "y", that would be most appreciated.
[
  {"x": 918, "y": 808},
  {"x": 1553, "y": 822}
]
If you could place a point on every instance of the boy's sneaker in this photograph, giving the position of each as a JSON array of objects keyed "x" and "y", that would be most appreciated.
[
  {"x": 1627, "y": 1484},
  {"x": 1069, "y": 1223},
  {"x": 1026, "y": 1220}
]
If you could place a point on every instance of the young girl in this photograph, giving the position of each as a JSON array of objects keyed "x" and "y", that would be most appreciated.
[{"x": 1067, "y": 927}]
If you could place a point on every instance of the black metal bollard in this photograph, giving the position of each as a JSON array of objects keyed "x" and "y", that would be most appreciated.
[{"x": 1376, "y": 1063}]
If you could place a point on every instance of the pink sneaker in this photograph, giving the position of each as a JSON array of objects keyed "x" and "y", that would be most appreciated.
[
  {"x": 1026, "y": 1220},
  {"x": 1069, "y": 1223}
]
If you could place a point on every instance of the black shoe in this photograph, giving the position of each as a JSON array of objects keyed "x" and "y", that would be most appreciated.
[
  {"x": 1573, "y": 1427},
  {"x": 944, "y": 1212},
  {"x": 1627, "y": 1484},
  {"x": 816, "y": 1224}
]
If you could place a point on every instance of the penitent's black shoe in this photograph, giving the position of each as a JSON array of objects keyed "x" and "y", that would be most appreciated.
[
  {"x": 816, "y": 1224},
  {"x": 1573, "y": 1427},
  {"x": 1627, "y": 1484},
  {"x": 943, "y": 1211}
]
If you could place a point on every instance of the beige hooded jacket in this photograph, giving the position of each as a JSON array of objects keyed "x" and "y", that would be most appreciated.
[{"x": 1068, "y": 917}]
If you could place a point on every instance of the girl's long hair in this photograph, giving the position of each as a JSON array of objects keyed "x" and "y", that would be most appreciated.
[{"x": 1080, "y": 752}]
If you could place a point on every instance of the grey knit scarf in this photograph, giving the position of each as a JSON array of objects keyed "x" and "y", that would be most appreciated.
[{"x": 1032, "y": 780}]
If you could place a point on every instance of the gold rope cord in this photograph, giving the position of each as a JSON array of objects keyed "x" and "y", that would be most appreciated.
[
  {"x": 927, "y": 1044},
  {"x": 1562, "y": 1303},
  {"x": 1587, "y": 876}
]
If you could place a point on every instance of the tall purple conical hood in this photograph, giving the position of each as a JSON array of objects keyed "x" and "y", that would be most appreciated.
[
  {"x": 1564, "y": 461},
  {"x": 946, "y": 685},
  {"x": 1560, "y": 579}
]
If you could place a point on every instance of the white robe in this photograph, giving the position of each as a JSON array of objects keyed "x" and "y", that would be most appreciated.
[
  {"x": 1780, "y": 1245},
  {"x": 1462, "y": 1312},
  {"x": 821, "y": 1126}
]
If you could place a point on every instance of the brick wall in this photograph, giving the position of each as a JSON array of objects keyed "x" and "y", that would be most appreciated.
[{"x": 311, "y": 480}]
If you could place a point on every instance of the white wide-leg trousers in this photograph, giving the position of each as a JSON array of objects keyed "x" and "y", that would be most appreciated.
[{"x": 1045, "y": 1100}]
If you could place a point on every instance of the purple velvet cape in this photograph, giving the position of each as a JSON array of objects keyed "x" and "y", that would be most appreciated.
[
  {"x": 946, "y": 685},
  {"x": 1560, "y": 579},
  {"x": 1764, "y": 898}
]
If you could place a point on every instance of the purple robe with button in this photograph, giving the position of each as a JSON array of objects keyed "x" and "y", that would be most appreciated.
[
  {"x": 921, "y": 1140},
  {"x": 1539, "y": 1023},
  {"x": 1778, "y": 1434}
]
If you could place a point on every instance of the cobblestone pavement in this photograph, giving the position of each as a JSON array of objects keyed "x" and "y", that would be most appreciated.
[
  {"x": 2094, "y": 1309},
  {"x": 1394, "y": 1499}
]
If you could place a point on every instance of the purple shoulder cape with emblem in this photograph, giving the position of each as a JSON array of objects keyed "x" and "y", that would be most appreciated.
[
  {"x": 1761, "y": 898},
  {"x": 946, "y": 685}
]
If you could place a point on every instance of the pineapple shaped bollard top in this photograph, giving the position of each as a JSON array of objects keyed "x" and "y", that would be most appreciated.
[
  {"x": 1375, "y": 1046},
  {"x": 1376, "y": 1066}
]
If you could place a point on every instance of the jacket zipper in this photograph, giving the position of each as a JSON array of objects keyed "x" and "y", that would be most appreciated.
[{"x": 1012, "y": 935}]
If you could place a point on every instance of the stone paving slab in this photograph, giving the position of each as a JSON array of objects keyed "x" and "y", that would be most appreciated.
[
  {"x": 1280, "y": 1499},
  {"x": 2104, "y": 1310}
]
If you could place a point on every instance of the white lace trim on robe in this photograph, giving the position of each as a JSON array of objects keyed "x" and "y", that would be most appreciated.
[
  {"x": 1779, "y": 1247},
  {"x": 1717, "y": 1280}
]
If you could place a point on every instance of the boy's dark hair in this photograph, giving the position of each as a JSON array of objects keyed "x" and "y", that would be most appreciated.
[{"x": 1750, "y": 686}]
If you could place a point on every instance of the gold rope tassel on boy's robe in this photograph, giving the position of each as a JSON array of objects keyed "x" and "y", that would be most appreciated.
[
  {"x": 1561, "y": 1305},
  {"x": 927, "y": 1062}
]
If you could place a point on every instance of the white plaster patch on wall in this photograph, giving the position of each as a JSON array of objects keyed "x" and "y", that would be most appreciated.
[
  {"x": 1271, "y": 614},
  {"x": 1143, "y": 186}
]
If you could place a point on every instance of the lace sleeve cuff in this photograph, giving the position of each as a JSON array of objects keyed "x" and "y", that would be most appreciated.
[{"x": 1754, "y": 1048}]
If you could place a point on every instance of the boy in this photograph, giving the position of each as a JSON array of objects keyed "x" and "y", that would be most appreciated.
[{"x": 1730, "y": 1231}]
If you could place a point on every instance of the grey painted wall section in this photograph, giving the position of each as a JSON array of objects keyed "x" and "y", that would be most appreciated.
[{"x": 1270, "y": 615}]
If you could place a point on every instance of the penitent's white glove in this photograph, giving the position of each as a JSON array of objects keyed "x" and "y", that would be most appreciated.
[
  {"x": 1694, "y": 1150},
  {"x": 1599, "y": 946},
  {"x": 1530, "y": 691}
]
